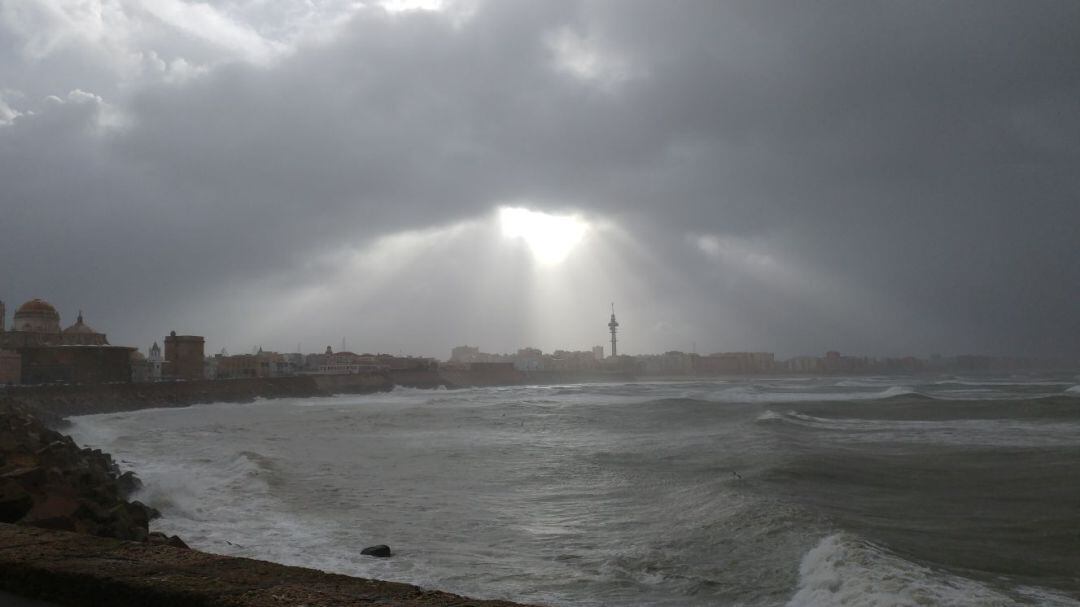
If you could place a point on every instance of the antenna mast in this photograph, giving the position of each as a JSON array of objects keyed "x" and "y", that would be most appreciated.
[{"x": 613, "y": 326}]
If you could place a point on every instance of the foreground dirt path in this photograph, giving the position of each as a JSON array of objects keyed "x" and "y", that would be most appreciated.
[{"x": 81, "y": 570}]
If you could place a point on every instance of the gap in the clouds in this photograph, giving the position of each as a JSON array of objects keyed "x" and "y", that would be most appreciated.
[
  {"x": 551, "y": 238},
  {"x": 513, "y": 278}
]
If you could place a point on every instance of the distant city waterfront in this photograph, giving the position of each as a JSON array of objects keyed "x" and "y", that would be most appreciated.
[{"x": 35, "y": 350}]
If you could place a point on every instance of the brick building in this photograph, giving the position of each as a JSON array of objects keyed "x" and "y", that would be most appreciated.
[{"x": 183, "y": 356}]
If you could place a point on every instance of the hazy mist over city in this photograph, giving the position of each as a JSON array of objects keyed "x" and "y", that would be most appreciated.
[{"x": 873, "y": 177}]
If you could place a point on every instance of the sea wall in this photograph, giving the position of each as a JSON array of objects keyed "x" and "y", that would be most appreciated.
[
  {"x": 64, "y": 400},
  {"x": 483, "y": 374},
  {"x": 61, "y": 400}
]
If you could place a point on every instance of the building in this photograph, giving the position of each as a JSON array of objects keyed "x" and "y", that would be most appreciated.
[
  {"x": 343, "y": 363},
  {"x": 804, "y": 364},
  {"x": 49, "y": 354},
  {"x": 156, "y": 363},
  {"x": 529, "y": 359},
  {"x": 735, "y": 363},
  {"x": 183, "y": 357},
  {"x": 80, "y": 334},
  {"x": 10, "y": 368},
  {"x": 76, "y": 364},
  {"x": 672, "y": 362},
  {"x": 36, "y": 317},
  {"x": 465, "y": 354},
  {"x": 260, "y": 364}
]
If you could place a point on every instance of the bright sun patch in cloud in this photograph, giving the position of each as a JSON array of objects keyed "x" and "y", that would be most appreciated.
[
  {"x": 551, "y": 238},
  {"x": 396, "y": 6}
]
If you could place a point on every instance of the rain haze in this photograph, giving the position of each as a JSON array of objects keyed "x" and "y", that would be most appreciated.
[{"x": 875, "y": 177}]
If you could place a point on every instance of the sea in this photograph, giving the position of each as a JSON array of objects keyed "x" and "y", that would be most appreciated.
[{"x": 888, "y": 491}]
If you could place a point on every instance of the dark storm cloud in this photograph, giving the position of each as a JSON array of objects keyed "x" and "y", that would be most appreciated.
[{"x": 878, "y": 177}]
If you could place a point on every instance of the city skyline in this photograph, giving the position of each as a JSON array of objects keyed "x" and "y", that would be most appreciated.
[{"x": 578, "y": 348}]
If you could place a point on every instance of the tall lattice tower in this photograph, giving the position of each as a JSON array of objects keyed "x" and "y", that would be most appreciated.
[{"x": 613, "y": 326}]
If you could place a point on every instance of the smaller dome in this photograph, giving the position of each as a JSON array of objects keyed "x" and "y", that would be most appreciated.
[
  {"x": 79, "y": 328},
  {"x": 137, "y": 357}
]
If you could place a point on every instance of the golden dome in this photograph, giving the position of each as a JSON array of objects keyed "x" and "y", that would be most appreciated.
[
  {"x": 36, "y": 316},
  {"x": 37, "y": 308}
]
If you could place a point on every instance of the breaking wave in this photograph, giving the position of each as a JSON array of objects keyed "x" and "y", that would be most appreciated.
[
  {"x": 846, "y": 570},
  {"x": 754, "y": 394}
]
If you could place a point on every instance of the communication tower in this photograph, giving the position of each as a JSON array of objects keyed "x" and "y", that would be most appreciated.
[{"x": 613, "y": 326}]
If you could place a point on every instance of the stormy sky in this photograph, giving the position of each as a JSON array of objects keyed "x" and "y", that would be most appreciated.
[{"x": 873, "y": 177}]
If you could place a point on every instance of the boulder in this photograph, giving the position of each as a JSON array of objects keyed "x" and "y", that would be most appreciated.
[
  {"x": 157, "y": 537},
  {"x": 15, "y": 502},
  {"x": 27, "y": 477},
  {"x": 128, "y": 483},
  {"x": 379, "y": 550},
  {"x": 54, "y": 512}
]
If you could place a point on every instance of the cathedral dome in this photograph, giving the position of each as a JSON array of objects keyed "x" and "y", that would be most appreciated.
[
  {"x": 79, "y": 328},
  {"x": 37, "y": 307},
  {"x": 36, "y": 316},
  {"x": 80, "y": 334}
]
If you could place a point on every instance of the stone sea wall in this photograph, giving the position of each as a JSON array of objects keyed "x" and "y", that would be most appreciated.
[
  {"x": 65, "y": 400},
  {"x": 62, "y": 400}
]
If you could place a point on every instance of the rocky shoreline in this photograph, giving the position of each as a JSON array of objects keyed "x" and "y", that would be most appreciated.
[
  {"x": 78, "y": 570},
  {"x": 69, "y": 534},
  {"x": 47, "y": 481}
]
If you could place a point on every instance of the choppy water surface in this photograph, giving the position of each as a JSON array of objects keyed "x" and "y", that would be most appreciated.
[{"x": 854, "y": 491}]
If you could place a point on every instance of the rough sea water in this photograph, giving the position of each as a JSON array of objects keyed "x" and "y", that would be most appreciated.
[{"x": 758, "y": 491}]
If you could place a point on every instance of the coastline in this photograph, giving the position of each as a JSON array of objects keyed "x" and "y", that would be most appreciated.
[
  {"x": 75, "y": 569},
  {"x": 70, "y": 536},
  {"x": 53, "y": 402}
]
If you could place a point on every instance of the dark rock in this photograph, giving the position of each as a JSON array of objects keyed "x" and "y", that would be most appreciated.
[
  {"x": 27, "y": 477},
  {"x": 48, "y": 481},
  {"x": 128, "y": 483},
  {"x": 54, "y": 512},
  {"x": 140, "y": 513},
  {"x": 157, "y": 537},
  {"x": 15, "y": 502},
  {"x": 379, "y": 550}
]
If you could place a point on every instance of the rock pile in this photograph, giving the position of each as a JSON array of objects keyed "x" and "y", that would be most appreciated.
[{"x": 47, "y": 481}]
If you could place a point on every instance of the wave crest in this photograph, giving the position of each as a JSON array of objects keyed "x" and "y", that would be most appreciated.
[{"x": 844, "y": 569}]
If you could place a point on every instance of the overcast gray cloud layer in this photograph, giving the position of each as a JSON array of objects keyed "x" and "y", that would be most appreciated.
[{"x": 872, "y": 177}]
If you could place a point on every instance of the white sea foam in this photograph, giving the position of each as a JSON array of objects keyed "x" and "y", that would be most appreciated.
[
  {"x": 753, "y": 394},
  {"x": 845, "y": 570},
  {"x": 770, "y": 415},
  {"x": 860, "y": 383},
  {"x": 1075, "y": 390},
  {"x": 972, "y": 432}
]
